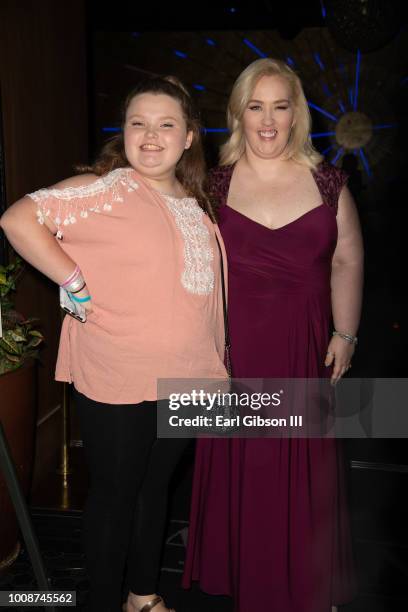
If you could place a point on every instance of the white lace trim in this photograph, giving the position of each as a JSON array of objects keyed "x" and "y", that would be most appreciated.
[
  {"x": 198, "y": 275},
  {"x": 97, "y": 197}
]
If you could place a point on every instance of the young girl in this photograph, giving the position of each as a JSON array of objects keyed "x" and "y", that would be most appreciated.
[{"x": 134, "y": 244}]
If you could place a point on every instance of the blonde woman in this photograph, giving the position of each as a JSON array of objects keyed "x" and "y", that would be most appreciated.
[{"x": 268, "y": 520}]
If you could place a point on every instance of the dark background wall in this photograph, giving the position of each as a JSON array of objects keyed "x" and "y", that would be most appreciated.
[{"x": 45, "y": 131}]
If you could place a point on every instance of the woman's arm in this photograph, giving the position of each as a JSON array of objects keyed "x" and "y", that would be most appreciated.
[
  {"x": 36, "y": 243},
  {"x": 346, "y": 283}
]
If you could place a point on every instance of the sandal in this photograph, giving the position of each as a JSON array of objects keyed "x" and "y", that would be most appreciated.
[{"x": 151, "y": 604}]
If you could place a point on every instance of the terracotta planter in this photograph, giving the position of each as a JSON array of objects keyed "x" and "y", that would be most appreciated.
[{"x": 17, "y": 414}]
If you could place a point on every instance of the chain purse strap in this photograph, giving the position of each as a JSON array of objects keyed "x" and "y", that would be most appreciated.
[{"x": 225, "y": 311}]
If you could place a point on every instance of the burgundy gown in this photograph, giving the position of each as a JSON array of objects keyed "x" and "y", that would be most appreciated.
[{"x": 268, "y": 523}]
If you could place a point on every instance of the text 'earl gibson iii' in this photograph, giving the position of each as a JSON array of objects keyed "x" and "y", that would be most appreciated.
[{"x": 237, "y": 421}]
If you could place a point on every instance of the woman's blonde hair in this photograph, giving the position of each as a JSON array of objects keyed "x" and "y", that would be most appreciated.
[{"x": 299, "y": 147}]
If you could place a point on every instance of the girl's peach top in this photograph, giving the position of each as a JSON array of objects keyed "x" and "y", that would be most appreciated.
[{"x": 151, "y": 263}]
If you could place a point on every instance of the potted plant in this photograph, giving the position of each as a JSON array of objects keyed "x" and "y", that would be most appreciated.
[
  {"x": 19, "y": 344},
  {"x": 20, "y": 340}
]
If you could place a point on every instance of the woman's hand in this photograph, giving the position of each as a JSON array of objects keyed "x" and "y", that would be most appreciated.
[{"x": 339, "y": 354}]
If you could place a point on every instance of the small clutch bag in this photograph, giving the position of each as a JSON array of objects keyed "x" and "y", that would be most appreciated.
[{"x": 75, "y": 309}]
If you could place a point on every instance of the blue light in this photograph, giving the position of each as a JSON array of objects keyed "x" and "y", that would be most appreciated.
[
  {"x": 323, "y": 8},
  {"x": 342, "y": 69},
  {"x": 199, "y": 87},
  {"x": 210, "y": 42},
  {"x": 322, "y": 111},
  {"x": 318, "y": 61},
  {"x": 357, "y": 79},
  {"x": 342, "y": 107},
  {"x": 215, "y": 130},
  {"x": 180, "y": 53},
  {"x": 136, "y": 34},
  {"x": 252, "y": 46},
  {"x": 351, "y": 96},
  {"x": 365, "y": 162},
  {"x": 111, "y": 129},
  {"x": 327, "y": 90},
  {"x": 338, "y": 154},
  {"x": 327, "y": 150},
  {"x": 385, "y": 126},
  {"x": 290, "y": 61},
  {"x": 232, "y": 10},
  {"x": 322, "y": 134}
]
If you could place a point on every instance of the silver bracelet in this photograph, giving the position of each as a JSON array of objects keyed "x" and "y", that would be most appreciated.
[{"x": 348, "y": 337}]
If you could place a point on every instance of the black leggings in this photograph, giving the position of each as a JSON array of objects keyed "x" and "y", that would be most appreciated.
[{"x": 125, "y": 513}]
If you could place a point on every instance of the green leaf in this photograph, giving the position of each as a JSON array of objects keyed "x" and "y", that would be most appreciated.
[
  {"x": 21, "y": 337},
  {"x": 7, "y": 366},
  {"x": 18, "y": 335},
  {"x": 36, "y": 333},
  {"x": 34, "y": 342},
  {"x": 14, "y": 358},
  {"x": 9, "y": 345}
]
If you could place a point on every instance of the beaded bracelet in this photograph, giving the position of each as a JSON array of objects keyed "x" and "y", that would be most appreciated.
[
  {"x": 348, "y": 337},
  {"x": 80, "y": 300}
]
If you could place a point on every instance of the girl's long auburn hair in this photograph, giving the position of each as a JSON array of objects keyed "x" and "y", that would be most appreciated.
[{"x": 190, "y": 169}]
